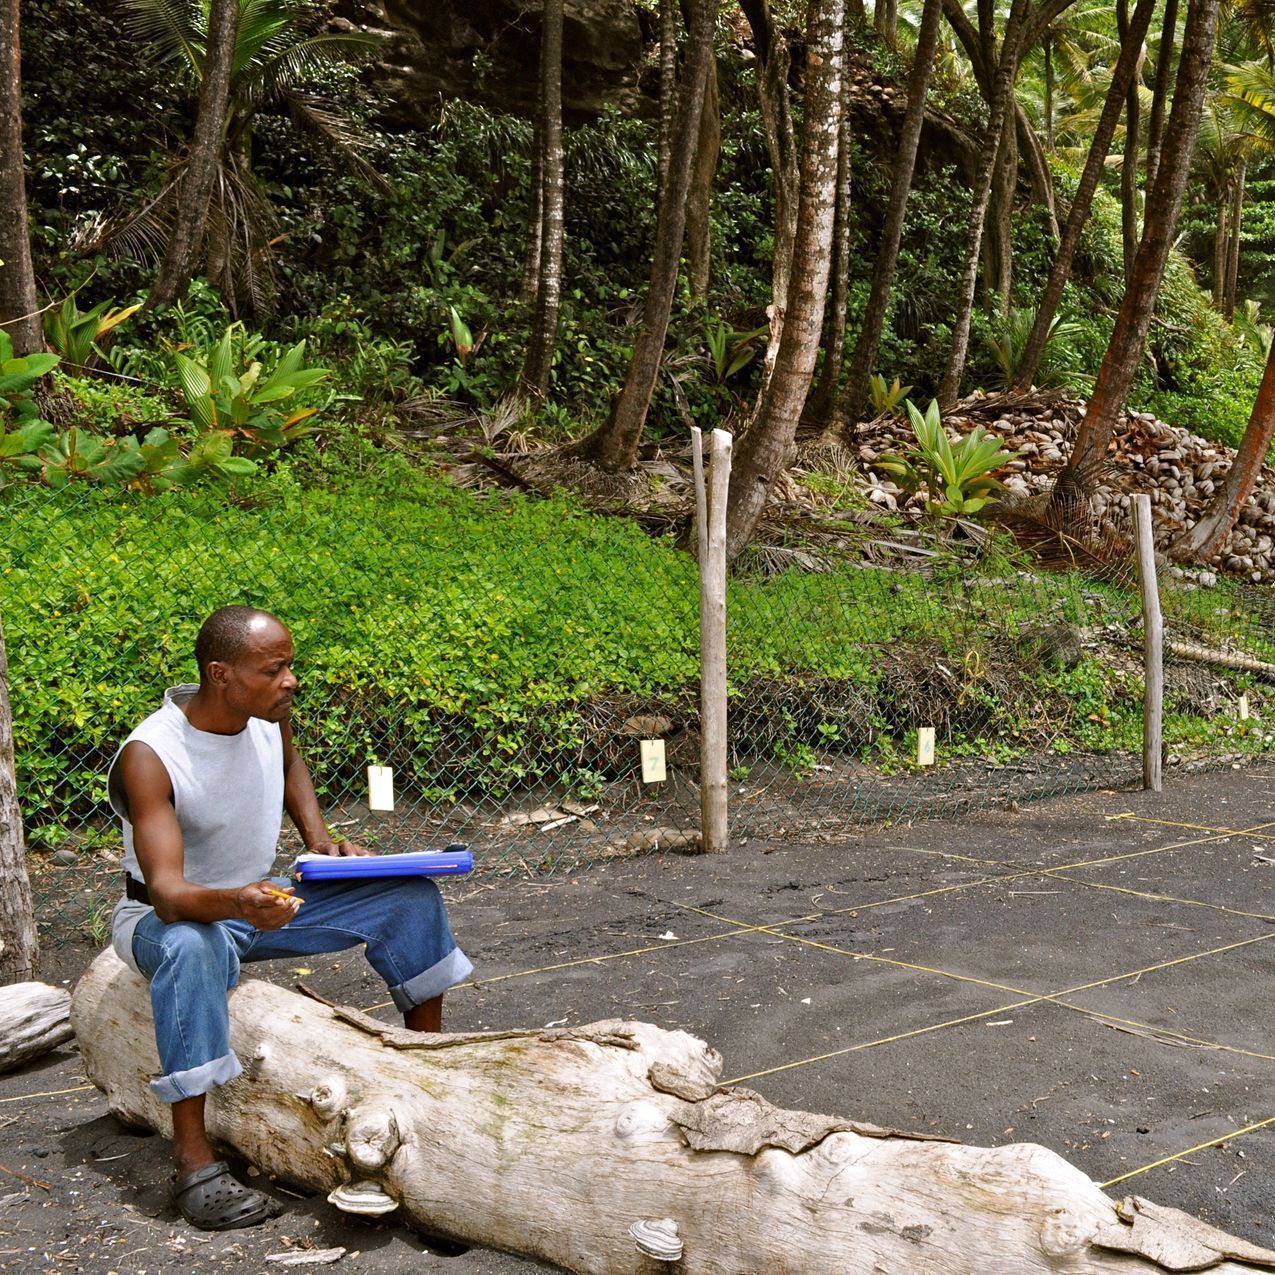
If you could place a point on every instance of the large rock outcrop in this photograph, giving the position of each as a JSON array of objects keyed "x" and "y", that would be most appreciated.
[{"x": 488, "y": 51}]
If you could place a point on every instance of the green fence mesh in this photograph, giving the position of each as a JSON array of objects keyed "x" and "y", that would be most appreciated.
[{"x": 506, "y": 657}]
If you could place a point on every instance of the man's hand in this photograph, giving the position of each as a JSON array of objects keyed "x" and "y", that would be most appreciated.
[
  {"x": 339, "y": 849},
  {"x": 265, "y": 906}
]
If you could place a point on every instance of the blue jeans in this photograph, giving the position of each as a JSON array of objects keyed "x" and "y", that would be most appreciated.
[{"x": 191, "y": 966}]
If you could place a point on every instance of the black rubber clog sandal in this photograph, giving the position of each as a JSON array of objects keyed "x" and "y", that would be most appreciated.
[{"x": 212, "y": 1200}]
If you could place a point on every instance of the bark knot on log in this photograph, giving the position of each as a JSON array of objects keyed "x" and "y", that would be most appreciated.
[{"x": 557, "y": 1145}]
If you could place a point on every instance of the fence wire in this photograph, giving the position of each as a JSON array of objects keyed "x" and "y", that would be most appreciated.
[{"x": 507, "y": 657}]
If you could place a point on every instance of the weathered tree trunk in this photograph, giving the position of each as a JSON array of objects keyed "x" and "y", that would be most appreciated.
[
  {"x": 886, "y": 20},
  {"x": 1229, "y": 297},
  {"x": 615, "y": 445},
  {"x": 1132, "y": 149},
  {"x": 34, "y": 1018},
  {"x": 1204, "y": 541},
  {"x": 1032, "y": 153},
  {"x": 863, "y": 361},
  {"x": 19, "y": 308},
  {"x": 699, "y": 200},
  {"x": 998, "y": 241},
  {"x": 1220, "y": 232},
  {"x": 772, "y": 98},
  {"x": 553, "y": 1144},
  {"x": 998, "y": 111},
  {"x": 1128, "y": 337},
  {"x": 822, "y": 402},
  {"x": 535, "y": 223},
  {"x": 761, "y": 455},
  {"x": 204, "y": 158},
  {"x": 668, "y": 91},
  {"x": 1048, "y": 54},
  {"x": 19, "y": 945},
  {"x": 544, "y": 326},
  {"x": 1160, "y": 90},
  {"x": 1121, "y": 77}
]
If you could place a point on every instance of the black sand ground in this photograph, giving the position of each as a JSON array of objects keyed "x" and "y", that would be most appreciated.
[{"x": 877, "y": 943}]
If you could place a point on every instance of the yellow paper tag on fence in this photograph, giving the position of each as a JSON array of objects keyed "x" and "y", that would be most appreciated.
[
  {"x": 653, "y": 768},
  {"x": 925, "y": 746}
]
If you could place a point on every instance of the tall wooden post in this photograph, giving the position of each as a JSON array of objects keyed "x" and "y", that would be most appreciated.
[
  {"x": 1152, "y": 647},
  {"x": 710, "y": 529}
]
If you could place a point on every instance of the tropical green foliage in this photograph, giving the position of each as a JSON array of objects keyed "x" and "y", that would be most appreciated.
[
  {"x": 243, "y": 406},
  {"x": 957, "y": 477},
  {"x": 886, "y": 399},
  {"x": 74, "y": 334}
]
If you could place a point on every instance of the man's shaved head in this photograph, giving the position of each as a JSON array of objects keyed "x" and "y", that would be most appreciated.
[{"x": 225, "y": 635}]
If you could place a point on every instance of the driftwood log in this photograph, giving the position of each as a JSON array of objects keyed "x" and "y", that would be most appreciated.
[
  {"x": 34, "y": 1018},
  {"x": 598, "y": 1148}
]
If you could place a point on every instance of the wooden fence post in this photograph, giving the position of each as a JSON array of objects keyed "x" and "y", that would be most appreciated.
[
  {"x": 1152, "y": 648},
  {"x": 710, "y": 530}
]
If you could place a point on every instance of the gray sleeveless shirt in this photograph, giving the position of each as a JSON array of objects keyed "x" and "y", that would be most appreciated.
[{"x": 228, "y": 795}]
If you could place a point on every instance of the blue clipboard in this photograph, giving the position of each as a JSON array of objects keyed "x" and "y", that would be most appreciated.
[{"x": 455, "y": 861}]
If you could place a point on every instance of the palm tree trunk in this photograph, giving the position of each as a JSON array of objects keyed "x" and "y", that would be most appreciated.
[
  {"x": 998, "y": 113},
  {"x": 1203, "y": 541},
  {"x": 863, "y": 361},
  {"x": 699, "y": 201},
  {"x": 19, "y": 308},
  {"x": 206, "y": 147},
  {"x": 1221, "y": 230},
  {"x": 1049, "y": 93},
  {"x": 1128, "y": 337},
  {"x": 1230, "y": 298},
  {"x": 535, "y": 220},
  {"x": 760, "y": 456},
  {"x": 998, "y": 242},
  {"x": 1032, "y": 153},
  {"x": 772, "y": 97},
  {"x": 1121, "y": 77},
  {"x": 821, "y": 404},
  {"x": 614, "y": 446},
  {"x": 544, "y": 328},
  {"x": 19, "y": 946},
  {"x": 668, "y": 88},
  {"x": 1160, "y": 90},
  {"x": 1132, "y": 149},
  {"x": 886, "y": 20}
]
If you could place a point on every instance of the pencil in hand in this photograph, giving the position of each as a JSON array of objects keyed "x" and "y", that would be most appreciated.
[{"x": 294, "y": 900}]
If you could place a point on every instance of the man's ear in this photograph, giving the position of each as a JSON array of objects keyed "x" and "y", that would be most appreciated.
[{"x": 217, "y": 672}]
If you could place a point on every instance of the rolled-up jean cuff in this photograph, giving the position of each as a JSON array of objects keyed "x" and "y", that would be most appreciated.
[
  {"x": 454, "y": 968},
  {"x": 178, "y": 1085}
]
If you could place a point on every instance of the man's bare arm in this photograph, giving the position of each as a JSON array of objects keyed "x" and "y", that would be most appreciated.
[
  {"x": 303, "y": 806},
  {"x": 157, "y": 841}
]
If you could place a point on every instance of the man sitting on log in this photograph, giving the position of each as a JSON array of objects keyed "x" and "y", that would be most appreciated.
[{"x": 200, "y": 787}]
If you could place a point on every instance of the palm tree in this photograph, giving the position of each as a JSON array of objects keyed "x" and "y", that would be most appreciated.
[
  {"x": 275, "y": 57},
  {"x": 18, "y": 307}
]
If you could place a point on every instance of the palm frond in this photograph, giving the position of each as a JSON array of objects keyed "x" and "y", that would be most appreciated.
[
  {"x": 260, "y": 23},
  {"x": 1251, "y": 99},
  {"x": 339, "y": 131},
  {"x": 171, "y": 30},
  {"x": 287, "y": 62}
]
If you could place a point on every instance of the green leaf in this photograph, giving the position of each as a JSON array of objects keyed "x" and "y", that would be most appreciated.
[
  {"x": 197, "y": 391},
  {"x": 221, "y": 359},
  {"x": 210, "y": 450},
  {"x": 121, "y": 462}
]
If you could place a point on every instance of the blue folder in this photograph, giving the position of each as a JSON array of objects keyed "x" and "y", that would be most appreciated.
[{"x": 454, "y": 861}]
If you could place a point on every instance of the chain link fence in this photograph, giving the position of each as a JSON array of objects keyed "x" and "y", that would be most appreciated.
[{"x": 506, "y": 657}]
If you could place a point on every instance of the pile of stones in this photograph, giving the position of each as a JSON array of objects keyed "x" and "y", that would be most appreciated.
[{"x": 1178, "y": 469}]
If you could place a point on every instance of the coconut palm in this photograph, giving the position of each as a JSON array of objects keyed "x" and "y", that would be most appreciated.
[{"x": 275, "y": 58}]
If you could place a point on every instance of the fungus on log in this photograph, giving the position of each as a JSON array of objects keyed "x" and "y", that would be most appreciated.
[
  {"x": 611, "y": 1149},
  {"x": 34, "y": 1018}
]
